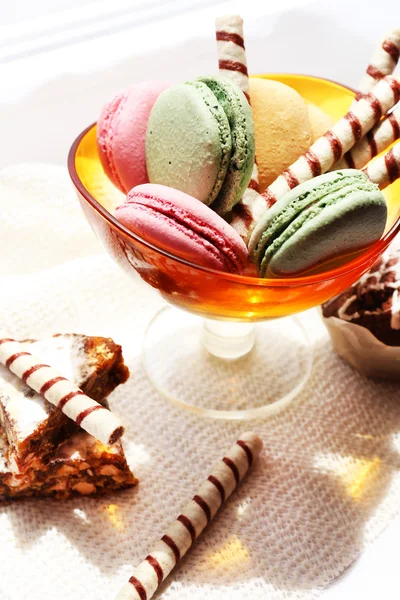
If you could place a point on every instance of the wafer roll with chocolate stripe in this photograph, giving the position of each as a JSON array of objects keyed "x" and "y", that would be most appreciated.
[
  {"x": 232, "y": 63},
  {"x": 382, "y": 63},
  {"x": 249, "y": 210},
  {"x": 385, "y": 169},
  {"x": 329, "y": 148},
  {"x": 85, "y": 412},
  {"x": 231, "y": 51},
  {"x": 195, "y": 516},
  {"x": 380, "y": 137}
]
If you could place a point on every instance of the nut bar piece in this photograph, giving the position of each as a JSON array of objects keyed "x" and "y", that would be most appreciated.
[
  {"x": 58, "y": 390},
  {"x": 31, "y": 423},
  {"x": 81, "y": 465}
]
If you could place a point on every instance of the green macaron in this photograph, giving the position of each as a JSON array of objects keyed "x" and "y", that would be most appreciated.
[
  {"x": 200, "y": 140},
  {"x": 238, "y": 111},
  {"x": 330, "y": 215}
]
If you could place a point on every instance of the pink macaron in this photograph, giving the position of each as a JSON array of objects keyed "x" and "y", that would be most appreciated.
[
  {"x": 185, "y": 227},
  {"x": 121, "y": 132}
]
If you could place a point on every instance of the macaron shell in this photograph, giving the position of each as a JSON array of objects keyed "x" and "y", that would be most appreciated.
[
  {"x": 282, "y": 127},
  {"x": 105, "y": 134},
  {"x": 351, "y": 224},
  {"x": 188, "y": 141},
  {"x": 155, "y": 227},
  {"x": 279, "y": 216},
  {"x": 241, "y": 124},
  {"x": 121, "y": 132},
  {"x": 183, "y": 226},
  {"x": 305, "y": 213}
]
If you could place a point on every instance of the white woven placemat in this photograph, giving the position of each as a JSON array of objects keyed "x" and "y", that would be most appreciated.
[{"x": 326, "y": 486}]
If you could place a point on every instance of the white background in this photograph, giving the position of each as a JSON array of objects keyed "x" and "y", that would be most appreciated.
[
  {"x": 61, "y": 59},
  {"x": 24, "y": 10}
]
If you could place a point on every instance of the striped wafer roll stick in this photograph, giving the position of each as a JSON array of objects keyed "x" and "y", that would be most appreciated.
[
  {"x": 231, "y": 51},
  {"x": 329, "y": 148},
  {"x": 382, "y": 63},
  {"x": 377, "y": 139},
  {"x": 46, "y": 381},
  {"x": 386, "y": 168},
  {"x": 195, "y": 516},
  {"x": 248, "y": 211},
  {"x": 232, "y": 63}
]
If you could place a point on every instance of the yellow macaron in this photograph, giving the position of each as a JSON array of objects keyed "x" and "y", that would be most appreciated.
[{"x": 282, "y": 127}]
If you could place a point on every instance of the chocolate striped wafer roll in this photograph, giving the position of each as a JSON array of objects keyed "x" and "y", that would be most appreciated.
[
  {"x": 46, "y": 381},
  {"x": 195, "y": 516},
  {"x": 382, "y": 63},
  {"x": 231, "y": 51},
  {"x": 249, "y": 210},
  {"x": 329, "y": 148},
  {"x": 377, "y": 139},
  {"x": 385, "y": 169},
  {"x": 232, "y": 63}
]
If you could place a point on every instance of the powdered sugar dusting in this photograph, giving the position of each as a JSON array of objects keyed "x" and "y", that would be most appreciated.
[
  {"x": 24, "y": 409},
  {"x": 20, "y": 407},
  {"x": 66, "y": 354},
  {"x": 3, "y": 450}
]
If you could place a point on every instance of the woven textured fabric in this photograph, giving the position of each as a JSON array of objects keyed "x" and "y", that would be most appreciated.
[{"x": 326, "y": 485}]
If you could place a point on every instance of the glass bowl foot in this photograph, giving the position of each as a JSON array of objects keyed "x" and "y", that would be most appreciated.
[{"x": 226, "y": 370}]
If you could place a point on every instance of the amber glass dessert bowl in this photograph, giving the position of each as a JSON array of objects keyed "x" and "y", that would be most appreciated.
[{"x": 224, "y": 346}]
